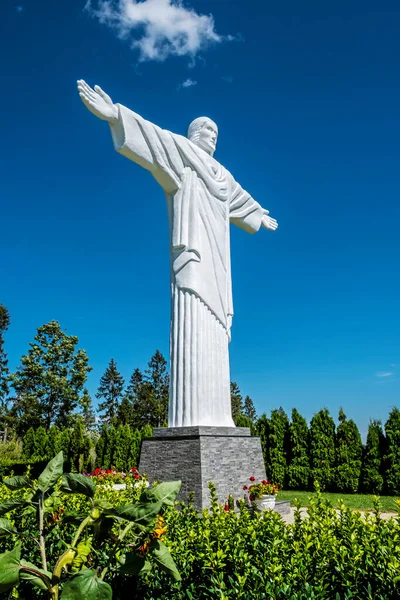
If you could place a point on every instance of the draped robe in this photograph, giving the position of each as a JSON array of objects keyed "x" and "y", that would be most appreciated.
[{"x": 202, "y": 199}]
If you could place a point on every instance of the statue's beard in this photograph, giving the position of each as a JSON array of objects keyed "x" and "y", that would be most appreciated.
[{"x": 207, "y": 147}]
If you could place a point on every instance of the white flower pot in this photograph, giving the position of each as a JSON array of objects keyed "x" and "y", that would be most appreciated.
[
  {"x": 266, "y": 502},
  {"x": 119, "y": 486}
]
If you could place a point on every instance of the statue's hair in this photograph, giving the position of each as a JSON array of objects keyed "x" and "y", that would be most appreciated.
[{"x": 196, "y": 126}]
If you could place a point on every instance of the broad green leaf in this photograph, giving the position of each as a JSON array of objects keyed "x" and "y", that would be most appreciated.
[
  {"x": 85, "y": 585},
  {"x": 75, "y": 483},
  {"x": 135, "y": 565},
  {"x": 83, "y": 550},
  {"x": 163, "y": 492},
  {"x": 34, "y": 575},
  {"x": 6, "y": 528},
  {"x": 9, "y": 568},
  {"x": 19, "y": 482},
  {"x": 161, "y": 555},
  {"x": 142, "y": 512},
  {"x": 52, "y": 473},
  {"x": 9, "y": 505}
]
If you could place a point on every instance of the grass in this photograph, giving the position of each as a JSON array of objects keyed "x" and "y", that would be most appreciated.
[{"x": 354, "y": 501}]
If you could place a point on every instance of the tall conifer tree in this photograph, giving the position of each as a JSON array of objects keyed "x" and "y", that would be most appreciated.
[
  {"x": 110, "y": 391},
  {"x": 236, "y": 401},
  {"x": 4, "y": 373},
  {"x": 249, "y": 410},
  {"x": 299, "y": 459},
  {"x": 322, "y": 449},
  {"x": 157, "y": 377},
  {"x": 348, "y": 455},
  {"x": 372, "y": 467},
  {"x": 278, "y": 446},
  {"x": 392, "y": 457},
  {"x": 87, "y": 411}
]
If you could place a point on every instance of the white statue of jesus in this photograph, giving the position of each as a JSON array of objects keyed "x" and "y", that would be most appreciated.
[{"x": 202, "y": 199}]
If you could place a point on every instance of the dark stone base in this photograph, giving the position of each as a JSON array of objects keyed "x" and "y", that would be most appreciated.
[{"x": 227, "y": 456}]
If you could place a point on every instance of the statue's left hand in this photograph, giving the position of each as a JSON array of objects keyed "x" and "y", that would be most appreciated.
[{"x": 268, "y": 222}]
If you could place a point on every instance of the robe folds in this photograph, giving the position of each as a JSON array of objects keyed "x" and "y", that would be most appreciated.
[{"x": 202, "y": 199}]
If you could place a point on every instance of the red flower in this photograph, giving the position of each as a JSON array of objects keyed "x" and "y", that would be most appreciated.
[
  {"x": 226, "y": 507},
  {"x": 245, "y": 487},
  {"x": 252, "y": 498},
  {"x": 136, "y": 476},
  {"x": 264, "y": 481},
  {"x": 252, "y": 478}
]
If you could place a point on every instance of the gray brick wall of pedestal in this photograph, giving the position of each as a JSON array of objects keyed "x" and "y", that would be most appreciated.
[{"x": 196, "y": 455}]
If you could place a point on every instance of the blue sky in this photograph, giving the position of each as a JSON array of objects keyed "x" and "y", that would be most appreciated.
[{"x": 306, "y": 97}]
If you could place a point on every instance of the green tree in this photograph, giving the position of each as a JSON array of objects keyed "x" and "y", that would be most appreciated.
[
  {"x": 40, "y": 442},
  {"x": 243, "y": 421},
  {"x": 101, "y": 446},
  {"x": 158, "y": 377},
  {"x": 262, "y": 430},
  {"x": 65, "y": 445},
  {"x": 299, "y": 460},
  {"x": 392, "y": 458},
  {"x": 28, "y": 443},
  {"x": 50, "y": 380},
  {"x": 348, "y": 455},
  {"x": 78, "y": 447},
  {"x": 249, "y": 410},
  {"x": 130, "y": 409},
  {"x": 87, "y": 412},
  {"x": 109, "y": 449},
  {"x": 322, "y": 449},
  {"x": 110, "y": 390},
  {"x": 52, "y": 441},
  {"x": 123, "y": 448},
  {"x": 236, "y": 401},
  {"x": 277, "y": 447},
  {"x": 4, "y": 372},
  {"x": 372, "y": 467},
  {"x": 146, "y": 397}
]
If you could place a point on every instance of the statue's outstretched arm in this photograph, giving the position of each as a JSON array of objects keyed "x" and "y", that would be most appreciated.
[
  {"x": 98, "y": 102},
  {"x": 268, "y": 222}
]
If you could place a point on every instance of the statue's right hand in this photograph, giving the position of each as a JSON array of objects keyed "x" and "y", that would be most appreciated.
[{"x": 97, "y": 101}]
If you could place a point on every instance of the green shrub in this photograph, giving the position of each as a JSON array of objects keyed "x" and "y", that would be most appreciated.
[{"x": 331, "y": 555}]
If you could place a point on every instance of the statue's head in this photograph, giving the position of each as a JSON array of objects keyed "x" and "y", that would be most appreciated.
[{"x": 204, "y": 133}]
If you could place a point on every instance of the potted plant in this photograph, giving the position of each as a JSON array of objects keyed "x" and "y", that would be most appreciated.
[{"x": 263, "y": 493}]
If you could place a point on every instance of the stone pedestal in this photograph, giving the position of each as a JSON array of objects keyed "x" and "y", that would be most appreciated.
[{"x": 227, "y": 456}]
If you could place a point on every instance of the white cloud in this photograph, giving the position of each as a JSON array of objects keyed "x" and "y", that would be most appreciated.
[
  {"x": 384, "y": 374},
  {"x": 157, "y": 28},
  {"x": 187, "y": 83}
]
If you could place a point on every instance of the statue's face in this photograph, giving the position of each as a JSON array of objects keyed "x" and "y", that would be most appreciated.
[{"x": 208, "y": 137}]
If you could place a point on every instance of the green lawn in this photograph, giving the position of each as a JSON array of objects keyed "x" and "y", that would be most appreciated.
[{"x": 355, "y": 501}]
